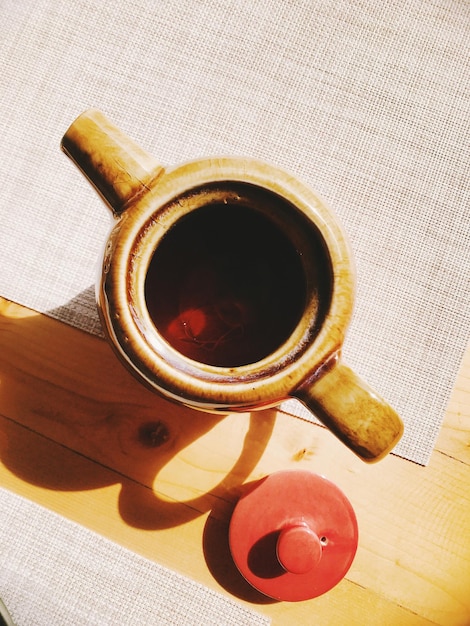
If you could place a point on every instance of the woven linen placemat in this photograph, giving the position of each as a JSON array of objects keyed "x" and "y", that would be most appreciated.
[
  {"x": 54, "y": 572},
  {"x": 368, "y": 102}
]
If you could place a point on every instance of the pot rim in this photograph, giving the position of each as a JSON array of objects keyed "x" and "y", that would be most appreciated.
[{"x": 121, "y": 298}]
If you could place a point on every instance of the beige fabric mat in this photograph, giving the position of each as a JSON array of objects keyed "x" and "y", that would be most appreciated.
[
  {"x": 83, "y": 579},
  {"x": 367, "y": 101}
]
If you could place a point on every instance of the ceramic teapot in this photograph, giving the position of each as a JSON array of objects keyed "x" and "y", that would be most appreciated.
[{"x": 227, "y": 285}]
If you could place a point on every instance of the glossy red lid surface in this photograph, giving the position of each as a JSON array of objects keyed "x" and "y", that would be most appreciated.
[{"x": 294, "y": 535}]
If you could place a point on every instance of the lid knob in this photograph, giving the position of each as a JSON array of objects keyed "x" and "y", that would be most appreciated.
[{"x": 298, "y": 549}]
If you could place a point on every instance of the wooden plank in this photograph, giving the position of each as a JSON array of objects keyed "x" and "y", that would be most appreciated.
[
  {"x": 197, "y": 548},
  {"x": 82, "y": 437}
]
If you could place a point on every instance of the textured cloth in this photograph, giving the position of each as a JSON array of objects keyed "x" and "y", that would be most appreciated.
[
  {"x": 83, "y": 578},
  {"x": 367, "y": 101}
]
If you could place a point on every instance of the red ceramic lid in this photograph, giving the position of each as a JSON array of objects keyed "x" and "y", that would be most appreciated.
[{"x": 294, "y": 535}]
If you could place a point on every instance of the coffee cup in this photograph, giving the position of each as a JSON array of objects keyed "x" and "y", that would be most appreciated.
[{"x": 227, "y": 285}]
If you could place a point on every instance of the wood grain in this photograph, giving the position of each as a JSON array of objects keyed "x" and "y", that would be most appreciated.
[{"x": 80, "y": 436}]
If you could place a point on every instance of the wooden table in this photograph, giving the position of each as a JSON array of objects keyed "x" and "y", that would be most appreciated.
[{"x": 80, "y": 436}]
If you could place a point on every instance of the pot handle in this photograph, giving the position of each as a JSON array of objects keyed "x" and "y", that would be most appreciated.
[
  {"x": 352, "y": 411},
  {"x": 116, "y": 166}
]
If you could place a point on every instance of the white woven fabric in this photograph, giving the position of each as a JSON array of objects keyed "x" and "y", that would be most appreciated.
[
  {"x": 83, "y": 579},
  {"x": 367, "y": 101}
]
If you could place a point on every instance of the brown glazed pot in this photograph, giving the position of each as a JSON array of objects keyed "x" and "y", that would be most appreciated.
[{"x": 149, "y": 203}]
